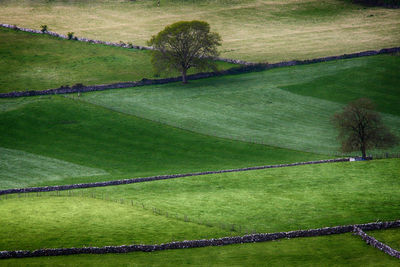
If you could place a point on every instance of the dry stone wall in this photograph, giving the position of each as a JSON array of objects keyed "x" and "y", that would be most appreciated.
[
  {"x": 82, "y": 39},
  {"x": 375, "y": 243},
  {"x": 155, "y": 178},
  {"x": 244, "y": 68},
  {"x": 198, "y": 243}
]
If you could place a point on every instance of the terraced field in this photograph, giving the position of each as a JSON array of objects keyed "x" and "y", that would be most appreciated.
[{"x": 253, "y": 30}]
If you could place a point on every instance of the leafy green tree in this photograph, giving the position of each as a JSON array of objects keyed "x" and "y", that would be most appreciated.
[
  {"x": 183, "y": 45},
  {"x": 361, "y": 128}
]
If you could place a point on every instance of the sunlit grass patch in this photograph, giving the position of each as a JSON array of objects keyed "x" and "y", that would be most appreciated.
[
  {"x": 280, "y": 199},
  {"x": 53, "y": 222}
]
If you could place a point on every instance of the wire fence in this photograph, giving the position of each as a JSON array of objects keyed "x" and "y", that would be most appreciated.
[{"x": 231, "y": 227}]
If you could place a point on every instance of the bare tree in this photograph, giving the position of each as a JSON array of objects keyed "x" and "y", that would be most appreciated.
[
  {"x": 361, "y": 128},
  {"x": 183, "y": 45}
]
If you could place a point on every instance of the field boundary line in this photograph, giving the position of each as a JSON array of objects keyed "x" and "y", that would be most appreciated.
[
  {"x": 156, "y": 178},
  {"x": 253, "y": 238},
  {"x": 245, "y": 67},
  {"x": 376, "y": 244}
]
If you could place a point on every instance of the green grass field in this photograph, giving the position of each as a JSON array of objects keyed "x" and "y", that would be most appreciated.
[
  {"x": 38, "y": 62},
  {"x": 269, "y": 117},
  {"x": 19, "y": 168},
  {"x": 72, "y": 132},
  {"x": 254, "y": 30},
  {"x": 390, "y": 237},
  {"x": 52, "y": 222},
  {"x": 274, "y": 200},
  {"x": 337, "y": 250},
  {"x": 269, "y": 107}
]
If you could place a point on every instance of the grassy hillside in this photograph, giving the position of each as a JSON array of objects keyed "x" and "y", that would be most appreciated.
[
  {"x": 255, "y": 30},
  {"x": 19, "y": 168},
  {"x": 38, "y": 62},
  {"x": 109, "y": 145},
  {"x": 272, "y": 107},
  {"x": 281, "y": 199},
  {"x": 51, "y": 222},
  {"x": 337, "y": 250}
]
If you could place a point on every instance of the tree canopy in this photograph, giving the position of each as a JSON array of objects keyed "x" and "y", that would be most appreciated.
[
  {"x": 361, "y": 128},
  {"x": 183, "y": 45}
]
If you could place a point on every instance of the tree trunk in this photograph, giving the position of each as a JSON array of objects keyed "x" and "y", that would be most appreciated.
[
  {"x": 364, "y": 156},
  {"x": 184, "y": 79}
]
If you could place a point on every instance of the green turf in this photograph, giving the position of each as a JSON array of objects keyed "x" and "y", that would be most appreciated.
[
  {"x": 19, "y": 169},
  {"x": 337, "y": 250},
  {"x": 281, "y": 199},
  {"x": 390, "y": 237},
  {"x": 377, "y": 78},
  {"x": 122, "y": 145},
  {"x": 256, "y": 107},
  {"x": 52, "y": 222},
  {"x": 254, "y": 30},
  {"x": 38, "y": 62}
]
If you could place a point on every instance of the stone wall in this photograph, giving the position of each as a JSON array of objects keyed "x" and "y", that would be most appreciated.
[
  {"x": 199, "y": 243},
  {"x": 244, "y": 68},
  {"x": 154, "y": 178},
  {"x": 375, "y": 243},
  {"x": 81, "y": 39}
]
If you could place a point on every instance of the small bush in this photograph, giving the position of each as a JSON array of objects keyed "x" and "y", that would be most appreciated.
[
  {"x": 70, "y": 35},
  {"x": 43, "y": 28}
]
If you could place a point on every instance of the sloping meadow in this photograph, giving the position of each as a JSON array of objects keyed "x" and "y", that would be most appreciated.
[
  {"x": 266, "y": 107},
  {"x": 55, "y": 140},
  {"x": 253, "y": 30}
]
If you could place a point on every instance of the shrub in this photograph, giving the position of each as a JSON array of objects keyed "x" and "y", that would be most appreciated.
[
  {"x": 43, "y": 28},
  {"x": 70, "y": 35}
]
